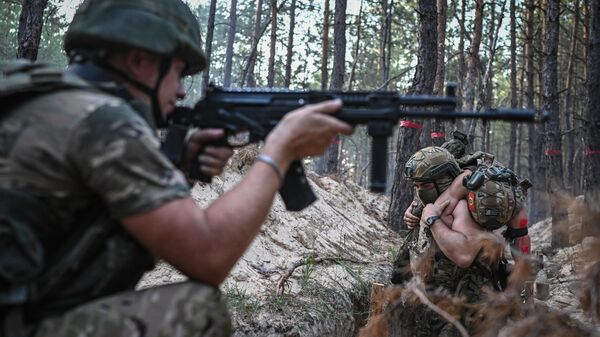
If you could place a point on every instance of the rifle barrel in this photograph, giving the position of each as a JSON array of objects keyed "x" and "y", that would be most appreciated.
[{"x": 515, "y": 115}]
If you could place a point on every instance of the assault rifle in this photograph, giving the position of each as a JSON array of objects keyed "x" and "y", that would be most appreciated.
[{"x": 257, "y": 111}]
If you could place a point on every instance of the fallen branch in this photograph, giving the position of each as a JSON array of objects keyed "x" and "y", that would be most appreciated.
[
  {"x": 283, "y": 279},
  {"x": 439, "y": 311}
]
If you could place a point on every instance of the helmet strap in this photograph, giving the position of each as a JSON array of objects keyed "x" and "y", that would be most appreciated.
[{"x": 163, "y": 69}]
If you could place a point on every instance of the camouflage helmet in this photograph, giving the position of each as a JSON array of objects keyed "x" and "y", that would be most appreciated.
[
  {"x": 494, "y": 203},
  {"x": 431, "y": 163},
  {"x": 163, "y": 27}
]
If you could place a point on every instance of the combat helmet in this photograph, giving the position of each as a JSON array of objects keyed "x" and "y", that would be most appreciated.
[
  {"x": 166, "y": 28},
  {"x": 432, "y": 164},
  {"x": 163, "y": 27},
  {"x": 495, "y": 195}
]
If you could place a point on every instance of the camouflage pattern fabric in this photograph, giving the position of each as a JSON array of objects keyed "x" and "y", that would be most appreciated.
[
  {"x": 184, "y": 309},
  {"x": 71, "y": 147},
  {"x": 496, "y": 198},
  {"x": 418, "y": 320},
  {"x": 79, "y": 150},
  {"x": 431, "y": 163},
  {"x": 457, "y": 146},
  {"x": 162, "y": 27}
]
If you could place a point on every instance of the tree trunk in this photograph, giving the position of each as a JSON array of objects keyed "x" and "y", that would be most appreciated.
[
  {"x": 552, "y": 152},
  {"x": 208, "y": 43},
  {"x": 542, "y": 209},
  {"x": 438, "y": 135},
  {"x": 384, "y": 43},
  {"x": 337, "y": 77},
  {"x": 248, "y": 74},
  {"x": 357, "y": 46},
  {"x": 461, "y": 59},
  {"x": 578, "y": 124},
  {"x": 568, "y": 111},
  {"x": 409, "y": 132},
  {"x": 474, "y": 66},
  {"x": 325, "y": 47},
  {"x": 250, "y": 79},
  {"x": 442, "y": 14},
  {"x": 31, "y": 22},
  {"x": 321, "y": 161},
  {"x": 513, "y": 83},
  {"x": 486, "y": 95},
  {"x": 591, "y": 225},
  {"x": 290, "y": 46},
  {"x": 230, "y": 40},
  {"x": 271, "y": 66},
  {"x": 473, "y": 59},
  {"x": 530, "y": 93}
]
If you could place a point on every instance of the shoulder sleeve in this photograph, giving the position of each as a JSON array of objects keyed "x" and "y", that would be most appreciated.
[{"x": 119, "y": 157}]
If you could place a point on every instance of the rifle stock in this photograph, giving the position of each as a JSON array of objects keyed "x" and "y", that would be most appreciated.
[{"x": 257, "y": 112}]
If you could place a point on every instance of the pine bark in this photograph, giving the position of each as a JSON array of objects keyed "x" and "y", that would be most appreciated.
[
  {"x": 440, "y": 70},
  {"x": 385, "y": 41},
  {"x": 437, "y": 127},
  {"x": 408, "y": 135},
  {"x": 542, "y": 202},
  {"x": 31, "y": 22},
  {"x": 230, "y": 41},
  {"x": 530, "y": 93},
  {"x": 568, "y": 110},
  {"x": 337, "y": 77},
  {"x": 473, "y": 60},
  {"x": 552, "y": 152},
  {"x": 325, "y": 47},
  {"x": 461, "y": 58},
  {"x": 513, "y": 83},
  {"x": 290, "y": 47},
  {"x": 591, "y": 225},
  {"x": 208, "y": 43},
  {"x": 273, "y": 44},
  {"x": 250, "y": 77}
]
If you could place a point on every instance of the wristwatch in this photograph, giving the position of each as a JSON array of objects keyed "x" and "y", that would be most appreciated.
[{"x": 429, "y": 222}]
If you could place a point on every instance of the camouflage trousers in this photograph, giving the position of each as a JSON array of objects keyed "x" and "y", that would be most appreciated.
[{"x": 183, "y": 309}]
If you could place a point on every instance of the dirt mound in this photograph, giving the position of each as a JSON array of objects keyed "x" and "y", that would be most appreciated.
[{"x": 308, "y": 273}]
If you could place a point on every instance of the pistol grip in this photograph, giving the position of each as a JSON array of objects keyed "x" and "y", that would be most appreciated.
[{"x": 296, "y": 191}]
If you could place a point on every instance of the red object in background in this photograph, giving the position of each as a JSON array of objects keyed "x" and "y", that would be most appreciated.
[
  {"x": 524, "y": 244},
  {"x": 523, "y": 223}
]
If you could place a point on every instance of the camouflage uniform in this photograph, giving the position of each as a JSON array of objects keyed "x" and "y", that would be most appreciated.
[
  {"x": 434, "y": 164},
  {"x": 185, "y": 309},
  {"x": 76, "y": 150},
  {"x": 76, "y": 155}
]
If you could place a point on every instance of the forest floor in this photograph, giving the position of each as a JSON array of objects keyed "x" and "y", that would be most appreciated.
[{"x": 310, "y": 273}]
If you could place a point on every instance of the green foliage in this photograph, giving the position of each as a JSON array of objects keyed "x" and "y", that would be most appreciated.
[
  {"x": 307, "y": 269},
  {"x": 50, "y": 48},
  {"x": 9, "y": 23},
  {"x": 241, "y": 301}
]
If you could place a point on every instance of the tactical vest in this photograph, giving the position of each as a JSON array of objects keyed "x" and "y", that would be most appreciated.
[{"x": 96, "y": 259}]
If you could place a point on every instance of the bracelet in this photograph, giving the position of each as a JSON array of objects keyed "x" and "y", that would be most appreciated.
[{"x": 269, "y": 161}]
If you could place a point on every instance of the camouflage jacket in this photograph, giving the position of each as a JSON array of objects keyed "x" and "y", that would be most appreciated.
[{"x": 75, "y": 151}]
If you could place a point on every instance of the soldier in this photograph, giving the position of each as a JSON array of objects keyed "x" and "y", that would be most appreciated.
[
  {"x": 495, "y": 195},
  {"x": 455, "y": 237},
  {"x": 88, "y": 201}
]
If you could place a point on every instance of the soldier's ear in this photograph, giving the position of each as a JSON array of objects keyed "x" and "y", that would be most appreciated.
[{"x": 141, "y": 65}]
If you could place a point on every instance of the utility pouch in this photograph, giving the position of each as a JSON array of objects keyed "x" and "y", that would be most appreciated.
[{"x": 22, "y": 256}]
